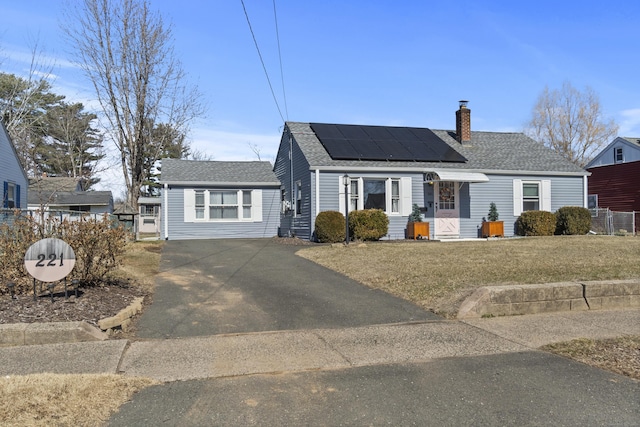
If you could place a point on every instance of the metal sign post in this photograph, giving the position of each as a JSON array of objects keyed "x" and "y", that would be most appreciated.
[{"x": 49, "y": 260}]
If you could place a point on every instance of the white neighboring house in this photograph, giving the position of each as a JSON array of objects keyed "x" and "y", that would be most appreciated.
[
  {"x": 65, "y": 194},
  {"x": 149, "y": 220}
]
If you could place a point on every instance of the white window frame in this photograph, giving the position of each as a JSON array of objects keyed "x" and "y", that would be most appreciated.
[
  {"x": 618, "y": 155},
  {"x": 193, "y": 208},
  {"x": 544, "y": 195},
  {"x": 403, "y": 199}
]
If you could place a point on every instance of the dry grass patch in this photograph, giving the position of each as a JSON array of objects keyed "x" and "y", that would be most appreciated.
[
  {"x": 438, "y": 276},
  {"x": 64, "y": 400},
  {"x": 141, "y": 263},
  {"x": 619, "y": 355}
]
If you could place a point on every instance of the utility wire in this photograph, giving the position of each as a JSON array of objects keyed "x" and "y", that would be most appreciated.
[
  {"x": 261, "y": 60},
  {"x": 284, "y": 94}
]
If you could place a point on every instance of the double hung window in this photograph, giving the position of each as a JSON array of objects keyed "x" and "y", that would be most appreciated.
[
  {"x": 388, "y": 194},
  {"x": 221, "y": 205},
  {"x": 530, "y": 196}
]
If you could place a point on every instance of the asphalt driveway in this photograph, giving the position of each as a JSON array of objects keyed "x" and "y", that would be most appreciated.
[{"x": 209, "y": 287}]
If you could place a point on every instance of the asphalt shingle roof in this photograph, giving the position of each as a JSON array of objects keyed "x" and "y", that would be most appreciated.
[
  {"x": 211, "y": 172},
  {"x": 70, "y": 198},
  {"x": 487, "y": 151}
]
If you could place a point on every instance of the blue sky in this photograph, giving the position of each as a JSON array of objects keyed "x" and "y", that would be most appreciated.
[{"x": 369, "y": 62}]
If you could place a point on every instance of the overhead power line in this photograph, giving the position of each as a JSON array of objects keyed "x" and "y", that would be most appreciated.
[
  {"x": 284, "y": 94},
  {"x": 261, "y": 60}
]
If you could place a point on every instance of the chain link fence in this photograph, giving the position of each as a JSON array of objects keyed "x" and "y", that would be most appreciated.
[{"x": 606, "y": 221}]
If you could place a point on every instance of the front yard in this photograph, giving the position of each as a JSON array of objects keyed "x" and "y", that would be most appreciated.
[{"x": 439, "y": 276}]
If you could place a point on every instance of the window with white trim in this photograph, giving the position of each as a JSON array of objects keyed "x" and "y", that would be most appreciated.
[
  {"x": 530, "y": 196},
  {"x": 220, "y": 205},
  {"x": 354, "y": 195},
  {"x": 392, "y": 195},
  {"x": 618, "y": 155}
]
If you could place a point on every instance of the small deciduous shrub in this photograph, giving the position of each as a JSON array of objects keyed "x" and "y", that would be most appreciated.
[
  {"x": 330, "y": 227},
  {"x": 573, "y": 220},
  {"x": 536, "y": 223},
  {"x": 368, "y": 224},
  {"x": 98, "y": 246}
]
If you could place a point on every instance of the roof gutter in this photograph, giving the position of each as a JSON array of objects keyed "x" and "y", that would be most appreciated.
[
  {"x": 224, "y": 183},
  {"x": 424, "y": 169}
]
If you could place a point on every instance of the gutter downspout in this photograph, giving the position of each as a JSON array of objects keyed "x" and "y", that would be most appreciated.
[
  {"x": 166, "y": 211},
  {"x": 291, "y": 195}
]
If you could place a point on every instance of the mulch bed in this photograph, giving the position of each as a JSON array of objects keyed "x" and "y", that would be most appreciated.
[{"x": 93, "y": 303}]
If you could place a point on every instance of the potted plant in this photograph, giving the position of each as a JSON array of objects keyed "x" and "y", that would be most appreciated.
[
  {"x": 416, "y": 229},
  {"x": 492, "y": 227}
]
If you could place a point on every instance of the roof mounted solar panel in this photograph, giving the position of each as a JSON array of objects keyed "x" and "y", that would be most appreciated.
[{"x": 355, "y": 142}]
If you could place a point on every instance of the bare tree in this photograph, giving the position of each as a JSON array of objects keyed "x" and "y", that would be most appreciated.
[
  {"x": 126, "y": 51},
  {"x": 572, "y": 123},
  {"x": 256, "y": 150}
]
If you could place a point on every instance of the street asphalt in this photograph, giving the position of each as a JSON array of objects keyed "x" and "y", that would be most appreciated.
[{"x": 244, "y": 332}]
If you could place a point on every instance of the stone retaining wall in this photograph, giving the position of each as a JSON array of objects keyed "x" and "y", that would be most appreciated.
[{"x": 551, "y": 297}]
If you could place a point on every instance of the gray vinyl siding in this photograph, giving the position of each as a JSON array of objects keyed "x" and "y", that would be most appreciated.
[
  {"x": 180, "y": 230},
  {"x": 10, "y": 169},
  {"x": 330, "y": 193},
  {"x": 291, "y": 223},
  {"x": 565, "y": 191}
]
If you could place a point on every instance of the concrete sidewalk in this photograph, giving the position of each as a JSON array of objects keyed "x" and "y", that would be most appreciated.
[{"x": 318, "y": 349}]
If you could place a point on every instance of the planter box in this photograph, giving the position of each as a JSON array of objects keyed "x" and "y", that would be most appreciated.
[
  {"x": 493, "y": 229},
  {"x": 418, "y": 230}
]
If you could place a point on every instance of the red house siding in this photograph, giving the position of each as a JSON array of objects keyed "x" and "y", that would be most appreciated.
[{"x": 617, "y": 187}]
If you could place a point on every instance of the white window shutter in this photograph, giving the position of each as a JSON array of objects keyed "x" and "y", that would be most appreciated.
[
  {"x": 341, "y": 207},
  {"x": 546, "y": 195},
  {"x": 406, "y": 199},
  {"x": 517, "y": 197},
  {"x": 256, "y": 205},
  {"x": 189, "y": 205}
]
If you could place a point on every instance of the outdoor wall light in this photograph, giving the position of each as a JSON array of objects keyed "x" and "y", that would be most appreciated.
[{"x": 12, "y": 289}]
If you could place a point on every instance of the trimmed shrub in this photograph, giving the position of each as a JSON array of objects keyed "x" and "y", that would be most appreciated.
[
  {"x": 536, "y": 223},
  {"x": 97, "y": 244},
  {"x": 573, "y": 220},
  {"x": 368, "y": 224},
  {"x": 330, "y": 227}
]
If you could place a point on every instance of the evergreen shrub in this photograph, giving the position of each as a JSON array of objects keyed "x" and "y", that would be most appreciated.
[
  {"x": 573, "y": 220},
  {"x": 536, "y": 223},
  {"x": 330, "y": 227},
  {"x": 368, "y": 224}
]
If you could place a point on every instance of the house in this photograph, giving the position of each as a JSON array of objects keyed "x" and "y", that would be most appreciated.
[
  {"x": 217, "y": 199},
  {"x": 65, "y": 194},
  {"x": 453, "y": 176},
  {"x": 12, "y": 175},
  {"x": 149, "y": 214},
  {"x": 614, "y": 182}
]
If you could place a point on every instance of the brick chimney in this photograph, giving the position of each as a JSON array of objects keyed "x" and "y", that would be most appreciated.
[{"x": 463, "y": 123}]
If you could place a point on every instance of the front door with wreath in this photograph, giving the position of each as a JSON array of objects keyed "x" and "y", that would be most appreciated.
[{"x": 447, "y": 216}]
